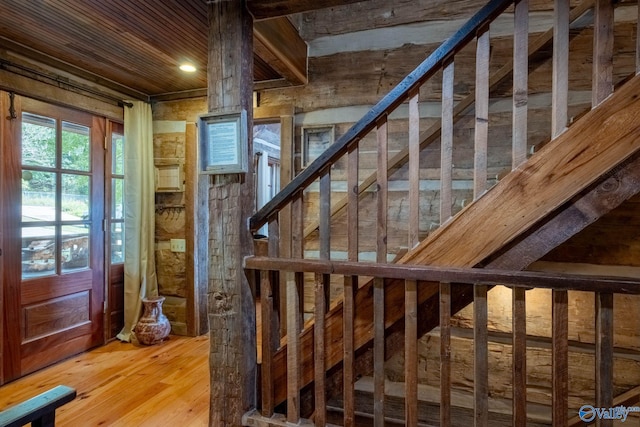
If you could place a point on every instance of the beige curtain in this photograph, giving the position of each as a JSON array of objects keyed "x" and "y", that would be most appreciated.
[{"x": 139, "y": 265}]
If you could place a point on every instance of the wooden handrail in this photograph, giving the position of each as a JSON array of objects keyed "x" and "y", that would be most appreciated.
[
  {"x": 476, "y": 276},
  {"x": 387, "y": 104},
  {"x": 40, "y": 409}
]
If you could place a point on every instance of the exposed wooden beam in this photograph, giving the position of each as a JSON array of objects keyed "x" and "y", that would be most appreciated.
[
  {"x": 263, "y": 9},
  {"x": 278, "y": 43},
  {"x": 232, "y": 306}
]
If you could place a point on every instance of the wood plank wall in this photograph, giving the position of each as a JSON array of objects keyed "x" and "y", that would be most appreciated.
[{"x": 339, "y": 93}]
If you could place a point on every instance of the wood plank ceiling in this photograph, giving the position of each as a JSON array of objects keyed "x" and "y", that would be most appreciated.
[{"x": 136, "y": 45}]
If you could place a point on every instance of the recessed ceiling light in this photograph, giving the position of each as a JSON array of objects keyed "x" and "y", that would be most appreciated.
[{"x": 188, "y": 68}]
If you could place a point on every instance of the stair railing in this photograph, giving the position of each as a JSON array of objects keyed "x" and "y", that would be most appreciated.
[
  {"x": 451, "y": 279},
  {"x": 287, "y": 215}
]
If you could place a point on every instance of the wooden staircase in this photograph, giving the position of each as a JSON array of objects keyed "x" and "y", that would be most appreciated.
[
  {"x": 580, "y": 175},
  {"x": 573, "y": 161}
]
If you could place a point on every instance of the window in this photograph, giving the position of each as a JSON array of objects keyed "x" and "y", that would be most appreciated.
[
  {"x": 117, "y": 195},
  {"x": 56, "y": 203},
  {"x": 266, "y": 146}
]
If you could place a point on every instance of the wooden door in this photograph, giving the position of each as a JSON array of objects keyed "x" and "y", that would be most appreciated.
[{"x": 53, "y": 236}]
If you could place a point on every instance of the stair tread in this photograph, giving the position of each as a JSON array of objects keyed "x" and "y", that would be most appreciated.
[{"x": 459, "y": 398}]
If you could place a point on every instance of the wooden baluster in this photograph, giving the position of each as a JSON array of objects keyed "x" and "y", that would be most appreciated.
[
  {"x": 602, "y": 79},
  {"x": 322, "y": 300},
  {"x": 277, "y": 290},
  {"x": 414, "y": 170},
  {"x": 294, "y": 300},
  {"x": 411, "y": 353},
  {"x": 319, "y": 354},
  {"x": 285, "y": 238},
  {"x": 297, "y": 247},
  {"x": 266, "y": 307},
  {"x": 324, "y": 219},
  {"x": 350, "y": 288},
  {"x": 604, "y": 354},
  {"x": 560, "y": 83},
  {"x": 383, "y": 184},
  {"x": 284, "y": 242},
  {"x": 445, "y": 354},
  {"x": 520, "y": 81},
  {"x": 482, "y": 113},
  {"x": 378, "y": 286},
  {"x": 293, "y": 348},
  {"x": 560, "y": 357},
  {"x": 519, "y": 330},
  {"x": 446, "y": 143},
  {"x": 638, "y": 43},
  {"x": 481, "y": 354}
]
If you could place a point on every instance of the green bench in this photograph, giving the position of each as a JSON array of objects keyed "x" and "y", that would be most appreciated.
[{"x": 40, "y": 410}]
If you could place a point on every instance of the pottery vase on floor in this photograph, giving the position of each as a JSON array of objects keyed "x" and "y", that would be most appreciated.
[{"x": 153, "y": 326}]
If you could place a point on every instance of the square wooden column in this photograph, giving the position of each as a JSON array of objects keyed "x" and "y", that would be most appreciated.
[{"x": 231, "y": 201}]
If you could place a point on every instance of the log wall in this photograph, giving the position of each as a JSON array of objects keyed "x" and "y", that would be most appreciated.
[
  {"x": 181, "y": 275},
  {"x": 348, "y": 74}
]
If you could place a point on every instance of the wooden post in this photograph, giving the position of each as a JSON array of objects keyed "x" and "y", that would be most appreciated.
[
  {"x": 638, "y": 44},
  {"x": 411, "y": 353},
  {"x": 602, "y": 80},
  {"x": 414, "y": 170},
  {"x": 231, "y": 202},
  {"x": 294, "y": 366},
  {"x": 266, "y": 305},
  {"x": 519, "y": 375},
  {"x": 378, "y": 287},
  {"x": 350, "y": 289},
  {"x": 483, "y": 53},
  {"x": 560, "y": 82},
  {"x": 445, "y": 354},
  {"x": 446, "y": 143},
  {"x": 604, "y": 354},
  {"x": 286, "y": 174},
  {"x": 481, "y": 355},
  {"x": 520, "y": 82},
  {"x": 319, "y": 353},
  {"x": 560, "y": 357}
]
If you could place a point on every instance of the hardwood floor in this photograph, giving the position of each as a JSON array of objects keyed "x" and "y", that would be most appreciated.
[{"x": 128, "y": 385}]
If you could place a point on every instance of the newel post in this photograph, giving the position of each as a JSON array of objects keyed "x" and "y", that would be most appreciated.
[{"x": 231, "y": 201}]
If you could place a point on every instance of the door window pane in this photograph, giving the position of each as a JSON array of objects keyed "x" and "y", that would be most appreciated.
[
  {"x": 38, "y": 141},
  {"x": 117, "y": 207},
  {"x": 117, "y": 242},
  {"x": 116, "y": 215},
  {"x": 117, "y": 163},
  {"x": 38, "y": 196},
  {"x": 76, "y": 147},
  {"x": 75, "y": 197},
  {"x": 75, "y": 247},
  {"x": 38, "y": 251}
]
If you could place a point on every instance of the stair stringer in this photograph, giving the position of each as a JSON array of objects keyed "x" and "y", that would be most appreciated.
[{"x": 592, "y": 147}]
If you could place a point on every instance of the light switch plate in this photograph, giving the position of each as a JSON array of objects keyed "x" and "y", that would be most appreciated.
[{"x": 178, "y": 245}]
